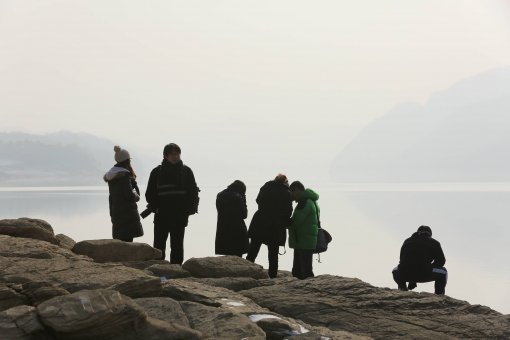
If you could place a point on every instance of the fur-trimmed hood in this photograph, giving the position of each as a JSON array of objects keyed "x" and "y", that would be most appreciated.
[{"x": 115, "y": 172}]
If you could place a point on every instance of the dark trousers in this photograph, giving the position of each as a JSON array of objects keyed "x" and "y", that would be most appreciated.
[
  {"x": 302, "y": 266},
  {"x": 438, "y": 275},
  {"x": 272, "y": 256},
  {"x": 176, "y": 231}
]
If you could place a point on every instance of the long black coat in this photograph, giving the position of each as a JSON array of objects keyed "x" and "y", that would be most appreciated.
[
  {"x": 269, "y": 223},
  {"x": 231, "y": 232},
  {"x": 123, "y": 209}
]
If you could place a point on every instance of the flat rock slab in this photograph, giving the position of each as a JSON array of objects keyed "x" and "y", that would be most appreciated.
[
  {"x": 65, "y": 241},
  {"x": 217, "y": 323},
  {"x": 165, "y": 309},
  {"x": 168, "y": 271},
  {"x": 357, "y": 307},
  {"x": 28, "y": 260},
  {"x": 10, "y": 298},
  {"x": 105, "y": 314},
  {"x": 224, "y": 266},
  {"x": 28, "y": 228},
  {"x": 116, "y": 251},
  {"x": 21, "y": 322}
]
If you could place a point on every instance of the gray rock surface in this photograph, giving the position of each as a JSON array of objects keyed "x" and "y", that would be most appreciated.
[
  {"x": 28, "y": 228},
  {"x": 37, "y": 292},
  {"x": 143, "y": 264},
  {"x": 30, "y": 260},
  {"x": 168, "y": 271},
  {"x": 217, "y": 323},
  {"x": 116, "y": 251},
  {"x": 105, "y": 314},
  {"x": 65, "y": 241},
  {"x": 352, "y": 305},
  {"x": 165, "y": 309},
  {"x": 10, "y": 298},
  {"x": 78, "y": 298},
  {"x": 224, "y": 266},
  {"x": 21, "y": 322}
]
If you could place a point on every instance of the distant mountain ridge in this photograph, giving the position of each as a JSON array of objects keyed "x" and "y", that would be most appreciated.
[
  {"x": 60, "y": 158},
  {"x": 461, "y": 134}
]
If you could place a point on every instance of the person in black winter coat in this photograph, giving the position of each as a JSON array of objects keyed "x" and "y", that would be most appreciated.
[
  {"x": 421, "y": 260},
  {"x": 231, "y": 232},
  {"x": 269, "y": 223},
  {"x": 124, "y": 194},
  {"x": 172, "y": 194}
]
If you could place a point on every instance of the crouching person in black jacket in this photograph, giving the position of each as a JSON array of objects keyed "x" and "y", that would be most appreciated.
[{"x": 421, "y": 260}]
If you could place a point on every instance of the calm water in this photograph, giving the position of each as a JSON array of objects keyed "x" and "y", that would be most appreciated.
[{"x": 368, "y": 224}]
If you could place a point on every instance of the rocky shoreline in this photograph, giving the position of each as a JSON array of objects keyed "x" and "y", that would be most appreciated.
[{"x": 54, "y": 288}]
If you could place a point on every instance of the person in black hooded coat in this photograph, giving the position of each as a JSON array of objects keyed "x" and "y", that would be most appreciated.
[
  {"x": 269, "y": 223},
  {"x": 231, "y": 232}
]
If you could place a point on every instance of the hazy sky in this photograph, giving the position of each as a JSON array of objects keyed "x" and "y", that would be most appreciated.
[{"x": 257, "y": 75}]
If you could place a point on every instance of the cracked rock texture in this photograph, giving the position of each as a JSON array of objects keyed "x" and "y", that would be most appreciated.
[{"x": 114, "y": 290}]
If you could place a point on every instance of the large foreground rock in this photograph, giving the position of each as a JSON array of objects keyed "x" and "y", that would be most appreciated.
[
  {"x": 21, "y": 322},
  {"x": 116, "y": 251},
  {"x": 222, "y": 300},
  {"x": 352, "y": 305},
  {"x": 28, "y": 260},
  {"x": 105, "y": 314},
  {"x": 28, "y": 228},
  {"x": 224, "y": 266}
]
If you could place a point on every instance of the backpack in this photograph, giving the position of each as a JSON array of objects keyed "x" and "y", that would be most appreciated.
[{"x": 323, "y": 236}]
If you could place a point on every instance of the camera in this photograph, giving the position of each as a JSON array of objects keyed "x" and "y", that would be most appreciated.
[{"x": 146, "y": 212}]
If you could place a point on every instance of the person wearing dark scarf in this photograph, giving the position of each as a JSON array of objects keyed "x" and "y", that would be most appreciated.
[
  {"x": 124, "y": 194},
  {"x": 172, "y": 194},
  {"x": 421, "y": 260},
  {"x": 231, "y": 232}
]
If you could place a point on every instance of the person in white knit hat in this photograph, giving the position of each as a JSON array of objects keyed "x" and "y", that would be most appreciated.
[{"x": 124, "y": 194}]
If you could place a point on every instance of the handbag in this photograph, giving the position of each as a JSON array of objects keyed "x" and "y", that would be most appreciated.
[{"x": 323, "y": 236}]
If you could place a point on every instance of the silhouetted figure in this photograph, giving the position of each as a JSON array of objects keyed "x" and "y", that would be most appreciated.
[
  {"x": 421, "y": 260},
  {"x": 172, "y": 194},
  {"x": 304, "y": 229},
  {"x": 269, "y": 223},
  {"x": 124, "y": 194},
  {"x": 231, "y": 232}
]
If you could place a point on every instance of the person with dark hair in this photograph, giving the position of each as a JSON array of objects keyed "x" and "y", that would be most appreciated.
[
  {"x": 231, "y": 232},
  {"x": 304, "y": 229},
  {"x": 421, "y": 260},
  {"x": 172, "y": 194},
  {"x": 269, "y": 223},
  {"x": 124, "y": 194}
]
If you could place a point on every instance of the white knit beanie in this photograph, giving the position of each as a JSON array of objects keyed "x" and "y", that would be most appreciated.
[{"x": 120, "y": 154}]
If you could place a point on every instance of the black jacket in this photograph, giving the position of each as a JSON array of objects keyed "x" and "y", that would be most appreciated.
[
  {"x": 419, "y": 254},
  {"x": 172, "y": 191},
  {"x": 269, "y": 223},
  {"x": 231, "y": 232},
  {"x": 122, "y": 201}
]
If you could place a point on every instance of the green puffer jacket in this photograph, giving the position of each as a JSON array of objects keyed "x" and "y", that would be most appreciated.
[{"x": 304, "y": 226}]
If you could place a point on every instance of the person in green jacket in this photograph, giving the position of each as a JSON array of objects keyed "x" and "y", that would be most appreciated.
[{"x": 303, "y": 229}]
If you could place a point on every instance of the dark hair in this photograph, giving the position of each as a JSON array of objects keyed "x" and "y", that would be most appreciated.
[
  {"x": 425, "y": 229},
  {"x": 281, "y": 178},
  {"x": 127, "y": 165},
  {"x": 296, "y": 185},
  {"x": 238, "y": 186},
  {"x": 169, "y": 148}
]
